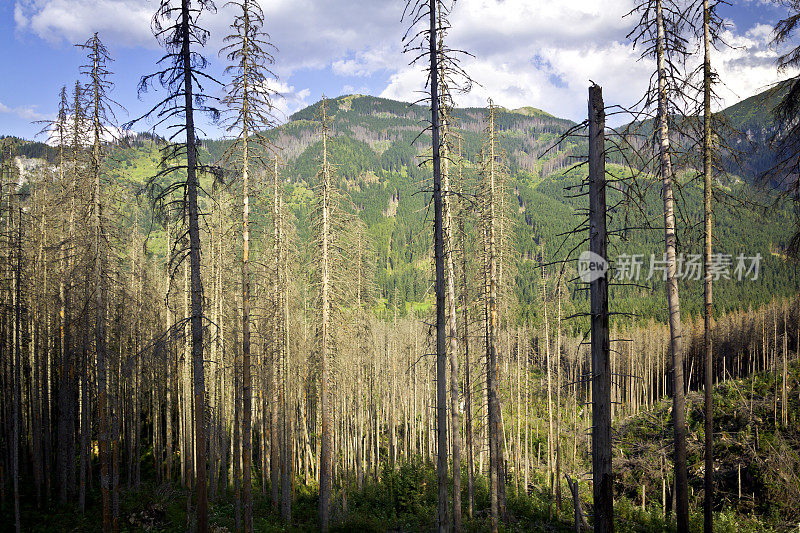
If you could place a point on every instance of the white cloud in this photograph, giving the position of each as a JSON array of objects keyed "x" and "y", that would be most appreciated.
[
  {"x": 350, "y": 89},
  {"x": 108, "y": 133},
  {"x": 544, "y": 54},
  {"x": 308, "y": 33},
  {"x": 366, "y": 62},
  {"x": 288, "y": 99},
  {"x": 23, "y": 112},
  {"x": 526, "y": 53},
  {"x": 748, "y": 65},
  {"x": 541, "y": 54},
  {"x": 123, "y": 22}
]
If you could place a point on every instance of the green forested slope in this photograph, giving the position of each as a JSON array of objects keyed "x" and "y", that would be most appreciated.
[{"x": 378, "y": 167}]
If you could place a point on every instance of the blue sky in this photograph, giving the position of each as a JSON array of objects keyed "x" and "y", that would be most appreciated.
[{"x": 527, "y": 52}]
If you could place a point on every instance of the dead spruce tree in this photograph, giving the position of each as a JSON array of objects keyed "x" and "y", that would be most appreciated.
[
  {"x": 493, "y": 172},
  {"x": 659, "y": 32},
  {"x": 325, "y": 199},
  {"x": 101, "y": 123},
  {"x": 332, "y": 276},
  {"x": 175, "y": 27},
  {"x": 248, "y": 51},
  {"x": 66, "y": 132},
  {"x": 428, "y": 23},
  {"x": 448, "y": 199},
  {"x": 707, "y": 25}
]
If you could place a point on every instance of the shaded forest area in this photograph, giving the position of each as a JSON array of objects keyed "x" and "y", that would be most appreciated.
[{"x": 373, "y": 317}]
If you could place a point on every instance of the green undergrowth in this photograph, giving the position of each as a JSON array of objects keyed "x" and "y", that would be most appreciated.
[
  {"x": 401, "y": 500},
  {"x": 756, "y": 456},
  {"x": 750, "y": 444}
]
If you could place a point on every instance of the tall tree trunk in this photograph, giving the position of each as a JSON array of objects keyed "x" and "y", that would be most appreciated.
[
  {"x": 603, "y": 487},
  {"x": 439, "y": 260},
  {"x": 247, "y": 399},
  {"x": 287, "y": 425},
  {"x": 708, "y": 484},
  {"x": 557, "y": 476},
  {"x": 465, "y": 342},
  {"x": 16, "y": 362},
  {"x": 673, "y": 301},
  {"x": 275, "y": 352},
  {"x": 194, "y": 265},
  {"x": 99, "y": 294},
  {"x": 492, "y": 380},
  {"x": 453, "y": 333},
  {"x": 325, "y": 460}
]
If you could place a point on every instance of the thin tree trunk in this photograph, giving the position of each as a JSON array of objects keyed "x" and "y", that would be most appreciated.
[
  {"x": 326, "y": 465},
  {"x": 439, "y": 266},
  {"x": 100, "y": 304},
  {"x": 465, "y": 341},
  {"x": 673, "y": 301},
  {"x": 247, "y": 399},
  {"x": 708, "y": 484},
  {"x": 17, "y": 363},
  {"x": 453, "y": 333},
  {"x": 274, "y": 439}
]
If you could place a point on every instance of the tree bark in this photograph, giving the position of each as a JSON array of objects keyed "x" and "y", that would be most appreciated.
[
  {"x": 708, "y": 482},
  {"x": 603, "y": 487},
  {"x": 326, "y": 465},
  {"x": 194, "y": 265},
  {"x": 673, "y": 301}
]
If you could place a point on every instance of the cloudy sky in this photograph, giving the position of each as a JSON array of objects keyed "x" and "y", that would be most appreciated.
[{"x": 539, "y": 53}]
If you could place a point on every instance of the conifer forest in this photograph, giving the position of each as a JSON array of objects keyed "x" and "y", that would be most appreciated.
[{"x": 383, "y": 315}]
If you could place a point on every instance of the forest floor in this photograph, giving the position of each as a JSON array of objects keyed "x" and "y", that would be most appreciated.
[{"x": 753, "y": 450}]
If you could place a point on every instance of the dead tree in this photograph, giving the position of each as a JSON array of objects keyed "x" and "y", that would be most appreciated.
[
  {"x": 249, "y": 52},
  {"x": 324, "y": 335},
  {"x": 176, "y": 28},
  {"x": 659, "y": 30},
  {"x": 603, "y": 483},
  {"x": 428, "y": 19},
  {"x": 101, "y": 119}
]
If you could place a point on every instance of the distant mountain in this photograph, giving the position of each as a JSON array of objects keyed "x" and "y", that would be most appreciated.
[
  {"x": 752, "y": 120},
  {"x": 376, "y": 149}
]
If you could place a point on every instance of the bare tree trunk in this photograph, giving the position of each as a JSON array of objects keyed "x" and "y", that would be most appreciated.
[
  {"x": 439, "y": 260},
  {"x": 557, "y": 476},
  {"x": 196, "y": 283},
  {"x": 17, "y": 363},
  {"x": 100, "y": 304},
  {"x": 237, "y": 428},
  {"x": 287, "y": 427},
  {"x": 326, "y": 465},
  {"x": 708, "y": 484},
  {"x": 603, "y": 487},
  {"x": 784, "y": 373},
  {"x": 274, "y": 438},
  {"x": 453, "y": 333},
  {"x": 168, "y": 361},
  {"x": 247, "y": 398},
  {"x": 467, "y": 381},
  {"x": 673, "y": 301},
  {"x": 550, "y": 432}
]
